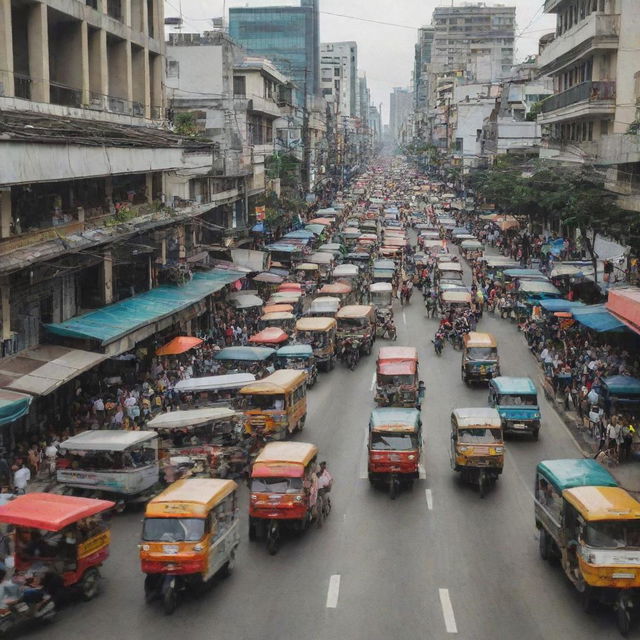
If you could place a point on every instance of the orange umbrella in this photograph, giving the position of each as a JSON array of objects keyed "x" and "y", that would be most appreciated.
[{"x": 178, "y": 345}]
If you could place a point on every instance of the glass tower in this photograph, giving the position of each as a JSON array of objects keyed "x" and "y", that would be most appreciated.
[{"x": 288, "y": 36}]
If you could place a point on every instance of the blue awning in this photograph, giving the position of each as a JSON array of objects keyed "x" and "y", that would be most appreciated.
[
  {"x": 13, "y": 406},
  {"x": 597, "y": 317},
  {"x": 560, "y": 304},
  {"x": 117, "y": 320}
]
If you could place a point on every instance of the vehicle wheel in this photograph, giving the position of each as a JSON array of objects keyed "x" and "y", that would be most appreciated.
[
  {"x": 169, "y": 600},
  {"x": 544, "y": 545},
  {"x": 302, "y": 421},
  {"x": 90, "y": 584},
  {"x": 587, "y": 600},
  {"x": 120, "y": 506},
  {"x": 253, "y": 531},
  {"x": 227, "y": 567},
  {"x": 150, "y": 588},
  {"x": 536, "y": 434},
  {"x": 371, "y": 480},
  {"x": 393, "y": 489},
  {"x": 482, "y": 485},
  {"x": 273, "y": 538},
  {"x": 332, "y": 363},
  {"x": 623, "y": 616},
  {"x": 463, "y": 376}
]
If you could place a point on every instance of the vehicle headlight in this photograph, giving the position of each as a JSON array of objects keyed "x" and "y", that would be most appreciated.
[
  {"x": 536, "y": 415},
  {"x": 254, "y": 497},
  {"x": 411, "y": 457},
  {"x": 499, "y": 449},
  {"x": 198, "y": 547},
  {"x": 298, "y": 498},
  {"x": 463, "y": 449},
  {"x": 145, "y": 547}
]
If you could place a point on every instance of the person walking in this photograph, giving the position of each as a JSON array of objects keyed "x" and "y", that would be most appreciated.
[{"x": 21, "y": 478}]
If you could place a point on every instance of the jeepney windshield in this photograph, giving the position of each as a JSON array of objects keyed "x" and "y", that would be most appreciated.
[
  {"x": 111, "y": 460},
  {"x": 518, "y": 400},
  {"x": 276, "y": 485},
  {"x": 393, "y": 441},
  {"x": 381, "y": 297},
  {"x": 318, "y": 340},
  {"x": 293, "y": 362},
  {"x": 173, "y": 529},
  {"x": 266, "y": 402},
  {"x": 395, "y": 381},
  {"x": 482, "y": 353},
  {"x": 480, "y": 436},
  {"x": 617, "y": 534}
]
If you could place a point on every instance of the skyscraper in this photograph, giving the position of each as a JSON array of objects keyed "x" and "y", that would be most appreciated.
[
  {"x": 339, "y": 74},
  {"x": 288, "y": 36}
]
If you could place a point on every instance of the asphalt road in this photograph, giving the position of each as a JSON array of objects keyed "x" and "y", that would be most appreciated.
[{"x": 436, "y": 562}]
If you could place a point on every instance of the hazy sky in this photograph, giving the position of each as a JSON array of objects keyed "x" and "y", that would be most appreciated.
[{"x": 385, "y": 51}]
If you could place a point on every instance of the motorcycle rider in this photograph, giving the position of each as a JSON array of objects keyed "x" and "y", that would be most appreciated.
[{"x": 325, "y": 479}]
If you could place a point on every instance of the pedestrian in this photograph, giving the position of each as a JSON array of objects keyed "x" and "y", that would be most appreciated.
[
  {"x": 21, "y": 478},
  {"x": 5, "y": 473},
  {"x": 613, "y": 434}
]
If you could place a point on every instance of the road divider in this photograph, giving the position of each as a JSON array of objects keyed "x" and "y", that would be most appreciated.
[
  {"x": 333, "y": 593},
  {"x": 447, "y": 611}
]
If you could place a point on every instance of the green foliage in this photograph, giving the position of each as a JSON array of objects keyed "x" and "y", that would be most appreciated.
[
  {"x": 185, "y": 124},
  {"x": 284, "y": 166},
  {"x": 536, "y": 109}
]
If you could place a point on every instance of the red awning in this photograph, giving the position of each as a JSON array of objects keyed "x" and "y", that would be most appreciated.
[{"x": 624, "y": 304}]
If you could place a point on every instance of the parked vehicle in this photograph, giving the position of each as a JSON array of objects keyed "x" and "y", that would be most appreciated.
[
  {"x": 320, "y": 333},
  {"x": 477, "y": 446},
  {"x": 114, "y": 464},
  {"x": 276, "y": 406},
  {"x": 516, "y": 400},
  {"x": 394, "y": 447},
  {"x": 190, "y": 534}
]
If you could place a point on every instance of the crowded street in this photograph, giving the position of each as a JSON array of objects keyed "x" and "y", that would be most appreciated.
[{"x": 435, "y": 561}]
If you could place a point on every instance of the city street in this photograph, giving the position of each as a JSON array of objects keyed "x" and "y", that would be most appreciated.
[{"x": 436, "y": 561}]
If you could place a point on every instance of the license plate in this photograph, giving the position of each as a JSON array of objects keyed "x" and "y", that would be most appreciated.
[
  {"x": 170, "y": 549},
  {"x": 395, "y": 468},
  {"x": 623, "y": 576},
  {"x": 274, "y": 498},
  {"x": 519, "y": 425},
  {"x": 394, "y": 458}
]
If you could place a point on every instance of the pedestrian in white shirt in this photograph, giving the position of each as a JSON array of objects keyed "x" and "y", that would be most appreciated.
[{"x": 21, "y": 478}]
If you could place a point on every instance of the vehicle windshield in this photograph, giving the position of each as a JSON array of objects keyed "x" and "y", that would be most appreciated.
[
  {"x": 381, "y": 297},
  {"x": 173, "y": 529},
  {"x": 517, "y": 400},
  {"x": 317, "y": 340},
  {"x": 393, "y": 441},
  {"x": 350, "y": 323},
  {"x": 276, "y": 485},
  {"x": 482, "y": 353},
  {"x": 613, "y": 535},
  {"x": 480, "y": 435},
  {"x": 395, "y": 381},
  {"x": 266, "y": 402}
]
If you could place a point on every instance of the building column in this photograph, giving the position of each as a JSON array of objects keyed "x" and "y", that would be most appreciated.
[
  {"x": 38, "y": 37},
  {"x": 148, "y": 179},
  {"x": 98, "y": 69},
  {"x": 125, "y": 7},
  {"x": 5, "y": 305},
  {"x": 6, "y": 216},
  {"x": 147, "y": 82},
  {"x": 6, "y": 50},
  {"x": 84, "y": 62},
  {"x": 182, "y": 251},
  {"x": 107, "y": 277}
]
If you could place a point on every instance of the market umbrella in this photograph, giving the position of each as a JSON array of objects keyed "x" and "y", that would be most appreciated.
[
  {"x": 269, "y": 278},
  {"x": 247, "y": 301},
  {"x": 178, "y": 345}
]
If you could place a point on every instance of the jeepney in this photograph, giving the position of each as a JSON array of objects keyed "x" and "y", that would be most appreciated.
[
  {"x": 480, "y": 360},
  {"x": 320, "y": 333},
  {"x": 357, "y": 321},
  {"x": 516, "y": 400}
]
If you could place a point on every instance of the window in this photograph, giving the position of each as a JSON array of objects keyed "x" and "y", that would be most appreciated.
[
  {"x": 239, "y": 86},
  {"x": 336, "y": 72},
  {"x": 173, "y": 69}
]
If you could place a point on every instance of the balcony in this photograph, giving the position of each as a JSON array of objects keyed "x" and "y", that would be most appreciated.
[
  {"x": 587, "y": 99},
  {"x": 64, "y": 95},
  {"x": 262, "y": 105},
  {"x": 22, "y": 86},
  {"x": 597, "y": 32}
]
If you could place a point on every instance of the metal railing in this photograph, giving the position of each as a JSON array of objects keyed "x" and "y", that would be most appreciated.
[
  {"x": 591, "y": 91},
  {"x": 22, "y": 86},
  {"x": 64, "y": 95}
]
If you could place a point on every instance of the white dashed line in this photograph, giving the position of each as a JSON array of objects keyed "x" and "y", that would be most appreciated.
[
  {"x": 404, "y": 318},
  {"x": 373, "y": 381},
  {"x": 334, "y": 591},
  {"x": 447, "y": 611},
  {"x": 422, "y": 474},
  {"x": 429, "y": 496}
]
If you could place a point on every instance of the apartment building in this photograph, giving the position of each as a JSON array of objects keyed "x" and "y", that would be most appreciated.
[{"x": 339, "y": 75}]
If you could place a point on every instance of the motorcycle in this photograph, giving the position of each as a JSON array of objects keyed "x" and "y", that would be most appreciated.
[
  {"x": 389, "y": 331},
  {"x": 351, "y": 352}
]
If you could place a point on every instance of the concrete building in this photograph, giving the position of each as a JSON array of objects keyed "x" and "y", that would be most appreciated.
[
  {"x": 476, "y": 40},
  {"x": 592, "y": 59},
  {"x": 289, "y": 36},
  {"x": 422, "y": 79},
  {"x": 400, "y": 107},
  {"x": 339, "y": 75}
]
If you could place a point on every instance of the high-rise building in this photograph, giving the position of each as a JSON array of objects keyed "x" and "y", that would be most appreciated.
[
  {"x": 339, "y": 75},
  {"x": 399, "y": 110},
  {"x": 289, "y": 36},
  {"x": 475, "y": 40},
  {"x": 422, "y": 58}
]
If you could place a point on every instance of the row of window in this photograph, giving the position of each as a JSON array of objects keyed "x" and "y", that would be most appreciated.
[
  {"x": 580, "y": 131},
  {"x": 577, "y": 12}
]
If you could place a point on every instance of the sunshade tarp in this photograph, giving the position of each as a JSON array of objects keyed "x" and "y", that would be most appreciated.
[
  {"x": 42, "y": 369},
  {"x": 560, "y": 304},
  {"x": 178, "y": 345},
  {"x": 110, "y": 323},
  {"x": 624, "y": 304},
  {"x": 13, "y": 406},
  {"x": 597, "y": 317}
]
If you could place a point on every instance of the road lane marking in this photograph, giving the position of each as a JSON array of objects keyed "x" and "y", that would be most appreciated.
[
  {"x": 422, "y": 474},
  {"x": 429, "y": 496},
  {"x": 404, "y": 318},
  {"x": 333, "y": 592},
  {"x": 373, "y": 381},
  {"x": 447, "y": 611}
]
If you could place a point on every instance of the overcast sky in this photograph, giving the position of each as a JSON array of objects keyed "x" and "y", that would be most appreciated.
[{"x": 385, "y": 51}]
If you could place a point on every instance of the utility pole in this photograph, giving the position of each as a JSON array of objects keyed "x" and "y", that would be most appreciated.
[{"x": 306, "y": 142}]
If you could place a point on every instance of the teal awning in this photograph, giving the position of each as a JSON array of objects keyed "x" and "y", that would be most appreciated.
[
  {"x": 117, "y": 320},
  {"x": 13, "y": 406},
  {"x": 597, "y": 317}
]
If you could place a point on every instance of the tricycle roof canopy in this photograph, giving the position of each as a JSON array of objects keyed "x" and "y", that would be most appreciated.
[
  {"x": 50, "y": 511},
  {"x": 387, "y": 416},
  {"x": 190, "y": 418},
  {"x": 292, "y": 452},
  {"x": 281, "y": 381},
  {"x": 477, "y": 417},
  {"x": 509, "y": 385},
  {"x": 107, "y": 440},
  {"x": 244, "y": 353},
  {"x": 603, "y": 503},
  {"x": 568, "y": 473},
  {"x": 190, "y": 497},
  {"x": 215, "y": 383}
]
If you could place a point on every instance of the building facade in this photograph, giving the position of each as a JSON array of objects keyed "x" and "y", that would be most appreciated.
[
  {"x": 400, "y": 107},
  {"x": 339, "y": 75},
  {"x": 289, "y": 36}
]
